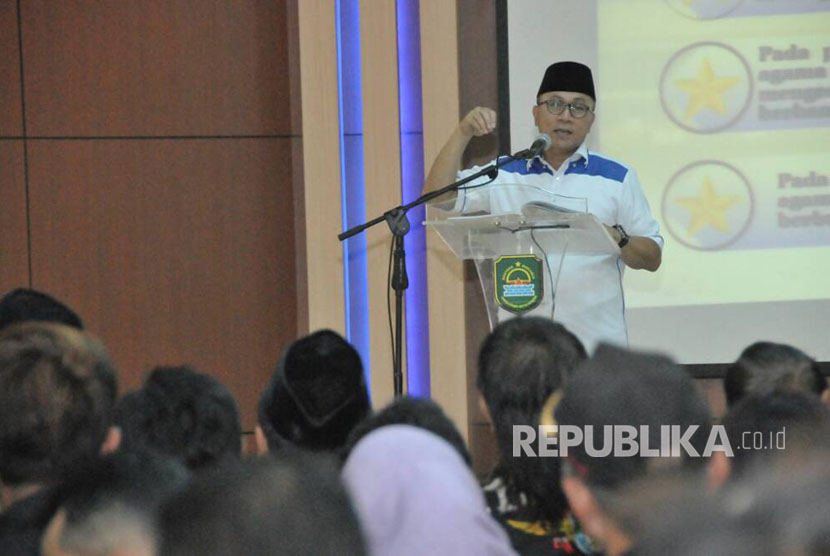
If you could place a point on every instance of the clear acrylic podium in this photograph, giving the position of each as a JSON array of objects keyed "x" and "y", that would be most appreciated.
[{"x": 519, "y": 237}]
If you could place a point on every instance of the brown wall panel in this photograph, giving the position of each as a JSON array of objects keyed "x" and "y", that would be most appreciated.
[
  {"x": 295, "y": 100},
  {"x": 484, "y": 448},
  {"x": 439, "y": 85},
  {"x": 382, "y": 176},
  {"x": 478, "y": 86},
  {"x": 156, "y": 67},
  {"x": 10, "y": 106},
  {"x": 478, "y": 71},
  {"x": 323, "y": 256},
  {"x": 14, "y": 254},
  {"x": 172, "y": 251},
  {"x": 300, "y": 247},
  {"x": 292, "y": 29}
]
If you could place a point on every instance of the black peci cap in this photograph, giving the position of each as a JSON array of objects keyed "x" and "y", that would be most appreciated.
[
  {"x": 568, "y": 76},
  {"x": 25, "y": 304}
]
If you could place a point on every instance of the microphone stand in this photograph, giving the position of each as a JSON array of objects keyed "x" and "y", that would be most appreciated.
[{"x": 399, "y": 225}]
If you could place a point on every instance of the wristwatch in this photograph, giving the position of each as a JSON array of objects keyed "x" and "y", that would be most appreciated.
[{"x": 623, "y": 236}]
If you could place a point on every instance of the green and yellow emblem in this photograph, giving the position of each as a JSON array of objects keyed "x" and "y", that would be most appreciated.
[{"x": 518, "y": 282}]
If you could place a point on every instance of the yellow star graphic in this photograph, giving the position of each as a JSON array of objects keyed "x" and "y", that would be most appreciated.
[
  {"x": 708, "y": 209},
  {"x": 706, "y": 90}
]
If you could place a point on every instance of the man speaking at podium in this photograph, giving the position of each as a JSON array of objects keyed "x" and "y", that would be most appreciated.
[{"x": 589, "y": 295}]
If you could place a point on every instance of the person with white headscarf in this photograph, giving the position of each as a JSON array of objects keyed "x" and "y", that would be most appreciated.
[{"x": 414, "y": 494}]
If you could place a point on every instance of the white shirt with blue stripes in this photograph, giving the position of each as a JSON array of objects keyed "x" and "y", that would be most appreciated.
[{"x": 589, "y": 296}]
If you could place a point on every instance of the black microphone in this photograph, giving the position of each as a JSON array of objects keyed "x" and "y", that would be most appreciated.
[{"x": 539, "y": 145}]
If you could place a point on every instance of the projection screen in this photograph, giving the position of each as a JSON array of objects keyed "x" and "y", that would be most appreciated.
[{"x": 723, "y": 108}]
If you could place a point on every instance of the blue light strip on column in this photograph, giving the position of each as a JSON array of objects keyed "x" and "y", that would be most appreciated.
[
  {"x": 355, "y": 281},
  {"x": 412, "y": 179}
]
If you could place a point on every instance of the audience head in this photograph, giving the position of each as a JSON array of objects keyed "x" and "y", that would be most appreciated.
[
  {"x": 767, "y": 366},
  {"x": 185, "y": 414},
  {"x": 57, "y": 391},
  {"x": 521, "y": 363},
  {"x": 619, "y": 387},
  {"x": 294, "y": 504},
  {"x": 777, "y": 422},
  {"x": 774, "y": 510},
  {"x": 24, "y": 304},
  {"x": 316, "y": 395},
  {"x": 418, "y": 412},
  {"x": 415, "y": 494},
  {"x": 112, "y": 506}
]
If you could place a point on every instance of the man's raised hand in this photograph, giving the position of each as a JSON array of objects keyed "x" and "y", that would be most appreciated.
[{"x": 478, "y": 121}]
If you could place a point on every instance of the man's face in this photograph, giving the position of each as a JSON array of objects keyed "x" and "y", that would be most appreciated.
[{"x": 566, "y": 131}]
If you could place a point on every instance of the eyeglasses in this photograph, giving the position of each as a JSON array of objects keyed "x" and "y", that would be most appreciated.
[{"x": 556, "y": 106}]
